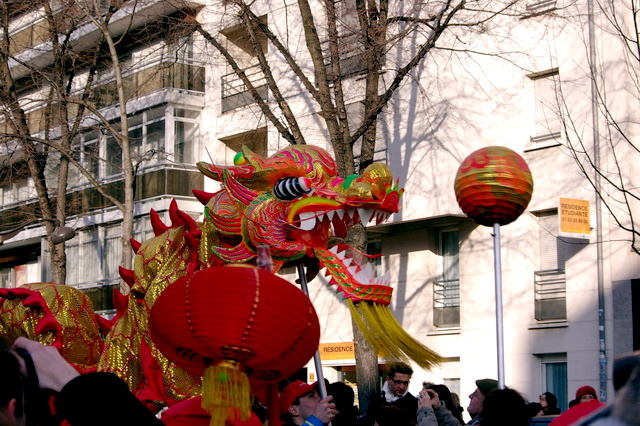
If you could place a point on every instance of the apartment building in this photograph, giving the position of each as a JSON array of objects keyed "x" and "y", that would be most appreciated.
[
  {"x": 570, "y": 299},
  {"x": 164, "y": 85}
]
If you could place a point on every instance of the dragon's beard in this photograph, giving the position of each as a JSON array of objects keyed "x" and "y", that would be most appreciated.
[{"x": 353, "y": 274}]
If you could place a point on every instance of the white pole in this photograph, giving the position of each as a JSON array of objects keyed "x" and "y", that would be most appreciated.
[
  {"x": 498, "y": 274},
  {"x": 322, "y": 388}
]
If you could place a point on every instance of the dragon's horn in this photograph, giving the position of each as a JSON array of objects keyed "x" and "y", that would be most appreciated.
[
  {"x": 158, "y": 226},
  {"x": 203, "y": 196},
  {"x": 135, "y": 245},
  {"x": 127, "y": 275}
]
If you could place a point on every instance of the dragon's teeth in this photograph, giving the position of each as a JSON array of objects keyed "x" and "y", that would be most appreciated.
[
  {"x": 350, "y": 213},
  {"x": 330, "y": 214},
  {"x": 341, "y": 254},
  {"x": 352, "y": 270},
  {"x": 347, "y": 262},
  {"x": 307, "y": 221},
  {"x": 334, "y": 249},
  {"x": 340, "y": 213},
  {"x": 367, "y": 271},
  {"x": 365, "y": 215}
]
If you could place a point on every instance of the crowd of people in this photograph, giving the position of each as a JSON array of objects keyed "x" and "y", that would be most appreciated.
[{"x": 34, "y": 375}]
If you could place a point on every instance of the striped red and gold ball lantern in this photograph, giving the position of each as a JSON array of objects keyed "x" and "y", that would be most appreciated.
[
  {"x": 233, "y": 324},
  {"x": 493, "y": 185}
]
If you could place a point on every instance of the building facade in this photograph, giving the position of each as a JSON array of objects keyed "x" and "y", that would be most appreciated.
[{"x": 570, "y": 299}]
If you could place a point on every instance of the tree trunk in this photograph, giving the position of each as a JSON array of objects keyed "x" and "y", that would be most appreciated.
[
  {"x": 366, "y": 357},
  {"x": 366, "y": 367}
]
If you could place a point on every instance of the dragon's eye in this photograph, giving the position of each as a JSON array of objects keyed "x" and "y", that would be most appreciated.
[{"x": 290, "y": 188}]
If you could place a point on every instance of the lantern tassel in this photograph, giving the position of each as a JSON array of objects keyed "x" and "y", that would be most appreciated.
[{"x": 226, "y": 393}]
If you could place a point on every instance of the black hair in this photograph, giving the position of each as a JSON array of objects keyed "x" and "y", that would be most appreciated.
[
  {"x": 10, "y": 377},
  {"x": 552, "y": 403},
  {"x": 444, "y": 394},
  {"x": 393, "y": 416},
  {"x": 505, "y": 407},
  {"x": 400, "y": 368}
]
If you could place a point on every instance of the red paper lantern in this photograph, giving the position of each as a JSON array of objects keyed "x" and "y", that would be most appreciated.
[
  {"x": 232, "y": 323},
  {"x": 493, "y": 185}
]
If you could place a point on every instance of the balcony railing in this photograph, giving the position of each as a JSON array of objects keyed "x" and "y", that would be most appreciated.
[
  {"x": 235, "y": 93},
  {"x": 550, "y": 295},
  {"x": 446, "y": 303},
  {"x": 101, "y": 296},
  {"x": 163, "y": 75}
]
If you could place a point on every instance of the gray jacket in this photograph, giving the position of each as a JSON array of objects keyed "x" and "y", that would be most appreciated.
[{"x": 441, "y": 417}]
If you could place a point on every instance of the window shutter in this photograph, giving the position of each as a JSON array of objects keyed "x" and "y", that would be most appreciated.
[{"x": 547, "y": 113}]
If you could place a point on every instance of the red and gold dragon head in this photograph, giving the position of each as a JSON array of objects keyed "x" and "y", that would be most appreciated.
[{"x": 295, "y": 202}]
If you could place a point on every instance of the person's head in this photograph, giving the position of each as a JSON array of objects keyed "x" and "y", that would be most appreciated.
[
  {"x": 343, "y": 396},
  {"x": 445, "y": 396},
  {"x": 298, "y": 400},
  {"x": 586, "y": 393},
  {"x": 548, "y": 401},
  {"x": 398, "y": 378},
  {"x": 505, "y": 407},
  {"x": 456, "y": 401},
  {"x": 393, "y": 416},
  {"x": 484, "y": 388},
  {"x": 11, "y": 395}
]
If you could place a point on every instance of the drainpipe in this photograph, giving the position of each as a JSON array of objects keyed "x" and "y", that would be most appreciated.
[{"x": 598, "y": 201}]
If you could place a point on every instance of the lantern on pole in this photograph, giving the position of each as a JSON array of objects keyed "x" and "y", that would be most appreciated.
[{"x": 493, "y": 187}]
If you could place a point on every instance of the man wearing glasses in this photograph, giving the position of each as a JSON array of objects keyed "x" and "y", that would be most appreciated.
[{"x": 395, "y": 392}]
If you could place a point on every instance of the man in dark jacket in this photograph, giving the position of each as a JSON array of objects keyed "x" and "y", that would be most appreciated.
[{"x": 394, "y": 392}]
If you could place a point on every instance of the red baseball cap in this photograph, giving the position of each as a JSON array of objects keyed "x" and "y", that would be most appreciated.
[{"x": 293, "y": 391}]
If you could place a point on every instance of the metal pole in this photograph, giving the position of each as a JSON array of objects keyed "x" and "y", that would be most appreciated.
[
  {"x": 498, "y": 274},
  {"x": 598, "y": 187},
  {"x": 322, "y": 388}
]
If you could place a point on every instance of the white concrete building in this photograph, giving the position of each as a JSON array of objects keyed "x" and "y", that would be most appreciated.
[{"x": 441, "y": 263}]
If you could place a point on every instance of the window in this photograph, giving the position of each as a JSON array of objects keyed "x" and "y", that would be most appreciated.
[
  {"x": 374, "y": 247},
  {"x": 547, "y": 113},
  {"x": 446, "y": 291},
  {"x": 549, "y": 280},
  {"x": 146, "y": 135},
  {"x": 450, "y": 372},
  {"x": 554, "y": 377},
  {"x": 539, "y": 7},
  {"x": 17, "y": 190},
  {"x": 187, "y": 135},
  {"x": 255, "y": 140},
  {"x": 6, "y": 278},
  {"x": 234, "y": 92}
]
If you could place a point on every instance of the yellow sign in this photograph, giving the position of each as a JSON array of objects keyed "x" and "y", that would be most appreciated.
[
  {"x": 342, "y": 350},
  {"x": 574, "y": 216}
]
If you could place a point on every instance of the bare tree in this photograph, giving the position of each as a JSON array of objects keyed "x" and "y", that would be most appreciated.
[
  {"x": 48, "y": 103},
  {"x": 606, "y": 150},
  {"x": 358, "y": 54}
]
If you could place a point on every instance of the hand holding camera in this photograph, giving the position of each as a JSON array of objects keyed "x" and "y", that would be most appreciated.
[
  {"x": 429, "y": 398},
  {"x": 52, "y": 371}
]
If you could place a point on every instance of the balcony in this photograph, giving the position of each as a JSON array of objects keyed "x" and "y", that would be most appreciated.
[
  {"x": 446, "y": 303},
  {"x": 181, "y": 76},
  {"x": 36, "y": 51},
  {"x": 235, "y": 93},
  {"x": 101, "y": 296},
  {"x": 550, "y": 295}
]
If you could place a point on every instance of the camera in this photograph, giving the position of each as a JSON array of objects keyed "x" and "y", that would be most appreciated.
[{"x": 35, "y": 404}]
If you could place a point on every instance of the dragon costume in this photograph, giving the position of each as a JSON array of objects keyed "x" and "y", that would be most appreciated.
[{"x": 294, "y": 202}]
